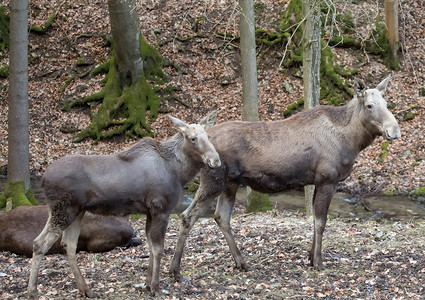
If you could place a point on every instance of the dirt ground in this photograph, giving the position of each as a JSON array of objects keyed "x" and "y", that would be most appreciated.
[
  {"x": 364, "y": 260},
  {"x": 206, "y": 62}
]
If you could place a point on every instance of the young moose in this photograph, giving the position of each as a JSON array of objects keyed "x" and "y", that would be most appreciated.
[
  {"x": 318, "y": 146},
  {"x": 147, "y": 178}
]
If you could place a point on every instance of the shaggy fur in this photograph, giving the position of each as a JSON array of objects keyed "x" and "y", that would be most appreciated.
[
  {"x": 147, "y": 178},
  {"x": 315, "y": 147}
]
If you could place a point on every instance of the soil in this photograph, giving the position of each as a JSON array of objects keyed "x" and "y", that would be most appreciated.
[{"x": 364, "y": 259}]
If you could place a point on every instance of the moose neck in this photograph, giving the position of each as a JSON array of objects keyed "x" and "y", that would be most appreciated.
[
  {"x": 354, "y": 129},
  {"x": 186, "y": 167}
]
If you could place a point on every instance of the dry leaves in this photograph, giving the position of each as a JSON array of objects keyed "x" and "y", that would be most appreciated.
[
  {"x": 364, "y": 260},
  {"x": 205, "y": 62}
]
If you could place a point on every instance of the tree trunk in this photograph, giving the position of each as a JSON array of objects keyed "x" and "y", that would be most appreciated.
[
  {"x": 391, "y": 23},
  {"x": 249, "y": 62},
  {"x": 127, "y": 96},
  {"x": 255, "y": 201},
  {"x": 18, "y": 173},
  {"x": 123, "y": 15},
  {"x": 311, "y": 76}
]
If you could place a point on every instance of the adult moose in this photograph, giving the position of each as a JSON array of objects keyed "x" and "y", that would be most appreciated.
[
  {"x": 147, "y": 178},
  {"x": 318, "y": 146},
  {"x": 20, "y": 226}
]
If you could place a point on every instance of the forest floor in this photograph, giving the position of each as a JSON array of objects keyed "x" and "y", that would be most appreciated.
[
  {"x": 210, "y": 79},
  {"x": 364, "y": 259}
]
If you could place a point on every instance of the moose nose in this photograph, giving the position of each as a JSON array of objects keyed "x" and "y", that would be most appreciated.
[
  {"x": 393, "y": 134},
  {"x": 214, "y": 162}
]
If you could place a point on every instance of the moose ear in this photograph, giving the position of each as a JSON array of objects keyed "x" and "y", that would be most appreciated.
[
  {"x": 382, "y": 87},
  {"x": 209, "y": 120},
  {"x": 179, "y": 124},
  {"x": 359, "y": 87}
]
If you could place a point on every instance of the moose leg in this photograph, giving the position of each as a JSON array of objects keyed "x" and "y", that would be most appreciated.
[
  {"x": 222, "y": 215},
  {"x": 69, "y": 241},
  {"x": 155, "y": 236},
  {"x": 148, "y": 240},
  {"x": 41, "y": 245},
  {"x": 188, "y": 218},
  {"x": 322, "y": 198}
]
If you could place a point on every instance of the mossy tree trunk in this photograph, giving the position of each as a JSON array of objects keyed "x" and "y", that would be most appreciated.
[
  {"x": 18, "y": 190},
  {"x": 123, "y": 104},
  {"x": 255, "y": 201},
  {"x": 333, "y": 87},
  {"x": 391, "y": 24}
]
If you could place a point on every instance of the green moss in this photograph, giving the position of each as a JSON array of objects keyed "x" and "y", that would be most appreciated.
[
  {"x": 4, "y": 71},
  {"x": 4, "y": 29},
  {"x": 259, "y": 8},
  {"x": 378, "y": 44},
  {"x": 193, "y": 187},
  {"x": 385, "y": 151},
  {"x": 409, "y": 116},
  {"x": 47, "y": 25},
  {"x": 102, "y": 69},
  {"x": 422, "y": 92},
  {"x": 290, "y": 21},
  {"x": 419, "y": 192},
  {"x": 152, "y": 62},
  {"x": 389, "y": 193},
  {"x": 258, "y": 202},
  {"x": 347, "y": 23},
  {"x": 15, "y": 196},
  {"x": 391, "y": 105},
  {"x": 334, "y": 87},
  {"x": 293, "y": 107},
  {"x": 136, "y": 216}
]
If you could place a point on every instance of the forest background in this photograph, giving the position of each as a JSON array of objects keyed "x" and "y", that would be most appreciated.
[{"x": 205, "y": 67}]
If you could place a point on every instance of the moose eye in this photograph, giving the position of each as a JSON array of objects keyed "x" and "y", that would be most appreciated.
[
  {"x": 369, "y": 106},
  {"x": 193, "y": 139}
]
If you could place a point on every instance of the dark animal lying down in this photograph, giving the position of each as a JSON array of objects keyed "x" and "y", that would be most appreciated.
[{"x": 20, "y": 226}]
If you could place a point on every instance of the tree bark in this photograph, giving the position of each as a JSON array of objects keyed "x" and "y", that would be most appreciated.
[
  {"x": 249, "y": 62},
  {"x": 391, "y": 22},
  {"x": 255, "y": 201},
  {"x": 311, "y": 76},
  {"x": 127, "y": 95},
  {"x": 18, "y": 171},
  {"x": 125, "y": 38}
]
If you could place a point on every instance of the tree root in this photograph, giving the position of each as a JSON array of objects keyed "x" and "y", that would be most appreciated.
[{"x": 15, "y": 196}]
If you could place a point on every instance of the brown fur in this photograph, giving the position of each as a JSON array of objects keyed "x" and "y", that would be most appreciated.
[
  {"x": 315, "y": 147},
  {"x": 148, "y": 178},
  {"x": 20, "y": 226}
]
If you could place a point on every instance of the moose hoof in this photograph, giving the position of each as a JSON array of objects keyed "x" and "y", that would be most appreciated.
[
  {"x": 33, "y": 295},
  {"x": 319, "y": 267},
  {"x": 89, "y": 294},
  {"x": 153, "y": 291},
  {"x": 242, "y": 266},
  {"x": 177, "y": 276}
]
